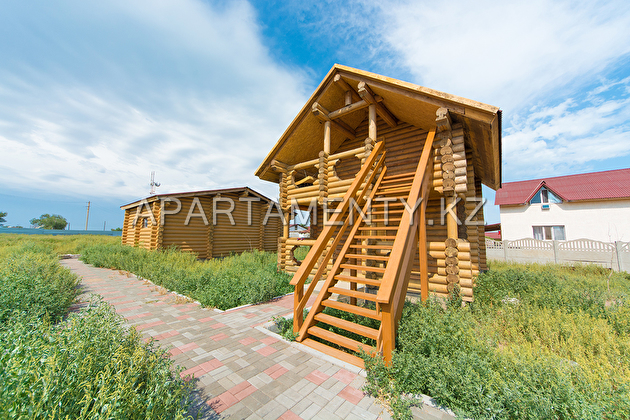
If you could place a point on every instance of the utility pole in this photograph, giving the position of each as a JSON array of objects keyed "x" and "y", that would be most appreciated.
[{"x": 87, "y": 216}]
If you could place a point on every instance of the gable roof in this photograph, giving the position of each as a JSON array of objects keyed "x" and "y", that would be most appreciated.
[
  {"x": 589, "y": 186},
  {"x": 413, "y": 104},
  {"x": 152, "y": 198}
]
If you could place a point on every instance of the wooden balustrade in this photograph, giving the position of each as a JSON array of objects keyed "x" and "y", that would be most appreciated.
[
  {"x": 321, "y": 247},
  {"x": 395, "y": 280}
]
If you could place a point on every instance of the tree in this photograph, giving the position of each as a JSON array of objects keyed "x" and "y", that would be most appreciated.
[
  {"x": 3, "y": 214},
  {"x": 47, "y": 221},
  {"x": 118, "y": 229}
]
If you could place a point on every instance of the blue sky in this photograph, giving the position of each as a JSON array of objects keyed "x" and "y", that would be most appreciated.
[{"x": 96, "y": 95}]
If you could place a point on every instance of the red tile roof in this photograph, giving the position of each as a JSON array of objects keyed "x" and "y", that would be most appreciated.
[{"x": 590, "y": 186}]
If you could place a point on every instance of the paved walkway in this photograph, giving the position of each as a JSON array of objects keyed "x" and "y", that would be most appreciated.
[{"x": 243, "y": 371}]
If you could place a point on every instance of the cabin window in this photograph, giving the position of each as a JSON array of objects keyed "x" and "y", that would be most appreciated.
[
  {"x": 145, "y": 222},
  {"x": 549, "y": 233},
  {"x": 545, "y": 196}
]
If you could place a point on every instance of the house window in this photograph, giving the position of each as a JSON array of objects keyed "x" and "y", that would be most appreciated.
[
  {"x": 145, "y": 222},
  {"x": 545, "y": 196},
  {"x": 549, "y": 233}
]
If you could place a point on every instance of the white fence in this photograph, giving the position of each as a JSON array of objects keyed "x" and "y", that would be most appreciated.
[{"x": 614, "y": 255}]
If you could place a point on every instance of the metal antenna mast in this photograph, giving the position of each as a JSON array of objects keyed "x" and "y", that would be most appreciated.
[{"x": 153, "y": 184}]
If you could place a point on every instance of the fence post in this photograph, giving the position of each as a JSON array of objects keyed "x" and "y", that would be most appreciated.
[
  {"x": 618, "y": 246},
  {"x": 505, "y": 247},
  {"x": 555, "y": 252}
]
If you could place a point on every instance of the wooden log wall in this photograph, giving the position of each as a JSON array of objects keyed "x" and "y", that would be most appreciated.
[
  {"x": 191, "y": 238},
  {"x": 242, "y": 237},
  {"x": 128, "y": 230},
  {"x": 403, "y": 145},
  {"x": 204, "y": 239},
  {"x": 137, "y": 234}
]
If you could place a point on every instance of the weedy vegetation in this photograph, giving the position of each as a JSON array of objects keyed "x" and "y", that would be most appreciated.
[
  {"x": 225, "y": 283},
  {"x": 85, "y": 365},
  {"x": 539, "y": 341}
]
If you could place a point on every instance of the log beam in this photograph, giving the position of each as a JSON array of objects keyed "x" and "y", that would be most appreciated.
[
  {"x": 368, "y": 96},
  {"x": 321, "y": 113},
  {"x": 346, "y": 87},
  {"x": 348, "y": 109}
]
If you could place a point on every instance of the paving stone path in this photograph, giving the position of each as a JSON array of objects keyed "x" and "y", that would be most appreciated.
[{"x": 243, "y": 371}]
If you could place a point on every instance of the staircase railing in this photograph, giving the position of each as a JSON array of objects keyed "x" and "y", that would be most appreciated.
[
  {"x": 325, "y": 293},
  {"x": 392, "y": 292},
  {"x": 321, "y": 249}
]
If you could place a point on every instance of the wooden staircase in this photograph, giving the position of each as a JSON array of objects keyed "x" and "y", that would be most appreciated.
[
  {"x": 354, "y": 284},
  {"x": 371, "y": 262}
]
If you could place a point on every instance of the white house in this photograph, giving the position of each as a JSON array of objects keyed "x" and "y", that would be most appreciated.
[{"x": 593, "y": 205}]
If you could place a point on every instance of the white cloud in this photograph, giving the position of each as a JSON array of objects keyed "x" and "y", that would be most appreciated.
[
  {"x": 563, "y": 138},
  {"x": 103, "y": 93},
  {"x": 506, "y": 53}
]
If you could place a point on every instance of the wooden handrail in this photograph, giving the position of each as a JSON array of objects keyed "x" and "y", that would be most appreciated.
[
  {"x": 339, "y": 155},
  {"x": 406, "y": 229},
  {"x": 299, "y": 278}
]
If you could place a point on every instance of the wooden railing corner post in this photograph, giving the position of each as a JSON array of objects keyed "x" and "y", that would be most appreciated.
[
  {"x": 298, "y": 318},
  {"x": 389, "y": 333},
  {"x": 323, "y": 176}
]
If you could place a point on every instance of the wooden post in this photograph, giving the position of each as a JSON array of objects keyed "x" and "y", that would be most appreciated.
[
  {"x": 327, "y": 137},
  {"x": 261, "y": 228},
  {"x": 451, "y": 223},
  {"x": 389, "y": 332},
  {"x": 372, "y": 122},
  {"x": 298, "y": 318},
  {"x": 323, "y": 176},
  {"x": 422, "y": 251},
  {"x": 210, "y": 246}
]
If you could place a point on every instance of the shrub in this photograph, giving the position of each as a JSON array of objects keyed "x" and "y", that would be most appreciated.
[
  {"x": 225, "y": 283},
  {"x": 560, "y": 349},
  {"x": 86, "y": 367},
  {"x": 32, "y": 281}
]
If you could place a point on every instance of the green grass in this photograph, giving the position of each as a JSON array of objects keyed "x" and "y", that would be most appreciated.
[
  {"x": 559, "y": 348},
  {"x": 82, "y": 365},
  {"x": 225, "y": 283},
  {"x": 56, "y": 244},
  {"x": 87, "y": 367},
  {"x": 540, "y": 341}
]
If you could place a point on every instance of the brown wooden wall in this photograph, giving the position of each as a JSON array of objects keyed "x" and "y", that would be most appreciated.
[
  {"x": 205, "y": 240},
  {"x": 403, "y": 144}
]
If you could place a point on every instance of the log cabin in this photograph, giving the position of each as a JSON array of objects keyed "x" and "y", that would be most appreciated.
[
  {"x": 211, "y": 223},
  {"x": 390, "y": 173}
]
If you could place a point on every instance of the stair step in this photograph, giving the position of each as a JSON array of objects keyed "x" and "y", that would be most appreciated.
[
  {"x": 399, "y": 176},
  {"x": 379, "y": 247},
  {"x": 353, "y": 309},
  {"x": 395, "y": 185},
  {"x": 379, "y": 237},
  {"x": 390, "y": 204},
  {"x": 353, "y": 293},
  {"x": 367, "y": 257},
  {"x": 390, "y": 211},
  {"x": 400, "y": 190},
  {"x": 338, "y": 354},
  {"x": 360, "y": 280},
  {"x": 364, "y": 228},
  {"x": 363, "y": 268},
  {"x": 396, "y": 220},
  {"x": 347, "y": 326}
]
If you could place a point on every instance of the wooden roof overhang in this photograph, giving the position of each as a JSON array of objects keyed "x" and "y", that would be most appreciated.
[
  {"x": 241, "y": 190},
  {"x": 396, "y": 101}
]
